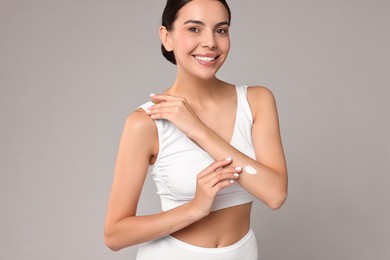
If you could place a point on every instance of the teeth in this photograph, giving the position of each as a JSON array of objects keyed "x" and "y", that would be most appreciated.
[{"x": 204, "y": 58}]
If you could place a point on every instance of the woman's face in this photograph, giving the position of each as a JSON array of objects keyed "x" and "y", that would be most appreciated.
[{"x": 200, "y": 38}]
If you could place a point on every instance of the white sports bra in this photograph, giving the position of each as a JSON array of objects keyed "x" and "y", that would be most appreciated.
[{"x": 180, "y": 160}]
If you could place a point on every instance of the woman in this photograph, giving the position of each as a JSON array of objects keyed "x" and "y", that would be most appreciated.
[{"x": 211, "y": 147}]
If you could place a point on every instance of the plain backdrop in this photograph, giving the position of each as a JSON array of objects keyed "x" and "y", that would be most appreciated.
[{"x": 71, "y": 72}]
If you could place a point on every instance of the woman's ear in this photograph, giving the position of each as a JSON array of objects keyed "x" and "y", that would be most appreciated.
[{"x": 165, "y": 37}]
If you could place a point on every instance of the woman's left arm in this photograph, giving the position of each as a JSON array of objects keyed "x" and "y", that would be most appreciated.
[{"x": 265, "y": 177}]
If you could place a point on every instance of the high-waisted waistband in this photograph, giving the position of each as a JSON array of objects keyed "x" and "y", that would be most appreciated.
[
  {"x": 169, "y": 247},
  {"x": 193, "y": 248}
]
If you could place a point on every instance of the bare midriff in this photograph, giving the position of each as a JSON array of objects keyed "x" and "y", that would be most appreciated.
[{"x": 218, "y": 229}]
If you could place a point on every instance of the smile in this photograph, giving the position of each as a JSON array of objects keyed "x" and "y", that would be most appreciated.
[{"x": 206, "y": 59}]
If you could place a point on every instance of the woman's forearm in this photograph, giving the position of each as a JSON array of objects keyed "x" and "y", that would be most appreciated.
[
  {"x": 138, "y": 229},
  {"x": 267, "y": 184}
]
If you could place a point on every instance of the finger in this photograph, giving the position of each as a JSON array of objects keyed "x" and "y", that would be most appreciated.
[
  {"x": 214, "y": 166},
  {"x": 162, "y": 111},
  {"x": 165, "y": 107},
  {"x": 170, "y": 103},
  {"x": 167, "y": 114},
  {"x": 164, "y": 97},
  {"x": 220, "y": 175},
  {"x": 222, "y": 184},
  {"x": 224, "y": 175}
]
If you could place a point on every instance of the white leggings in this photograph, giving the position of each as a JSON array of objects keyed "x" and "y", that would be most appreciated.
[{"x": 170, "y": 248}]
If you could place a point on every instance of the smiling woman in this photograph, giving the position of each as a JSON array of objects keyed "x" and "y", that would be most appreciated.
[
  {"x": 205, "y": 25},
  {"x": 170, "y": 15},
  {"x": 200, "y": 140}
]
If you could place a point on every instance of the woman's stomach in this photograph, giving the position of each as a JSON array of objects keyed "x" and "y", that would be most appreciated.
[{"x": 220, "y": 228}]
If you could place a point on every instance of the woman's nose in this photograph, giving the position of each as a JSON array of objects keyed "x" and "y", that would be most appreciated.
[{"x": 208, "y": 40}]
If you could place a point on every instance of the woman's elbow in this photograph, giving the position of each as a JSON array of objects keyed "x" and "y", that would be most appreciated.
[
  {"x": 115, "y": 241},
  {"x": 277, "y": 200},
  {"x": 109, "y": 241}
]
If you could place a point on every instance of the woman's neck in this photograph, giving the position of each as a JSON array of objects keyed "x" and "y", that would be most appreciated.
[{"x": 196, "y": 89}]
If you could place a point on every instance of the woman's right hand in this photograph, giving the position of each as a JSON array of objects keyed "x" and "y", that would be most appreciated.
[{"x": 210, "y": 181}]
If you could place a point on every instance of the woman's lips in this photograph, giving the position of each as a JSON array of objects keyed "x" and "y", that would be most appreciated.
[{"x": 206, "y": 59}]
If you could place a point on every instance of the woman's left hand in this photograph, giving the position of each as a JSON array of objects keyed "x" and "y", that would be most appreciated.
[{"x": 176, "y": 110}]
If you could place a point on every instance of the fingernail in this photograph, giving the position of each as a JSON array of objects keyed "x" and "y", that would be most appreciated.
[
  {"x": 236, "y": 174},
  {"x": 238, "y": 168},
  {"x": 231, "y": 181},
  {"x": 228, "y": 159},
  {"x": 151, "y": 95}
]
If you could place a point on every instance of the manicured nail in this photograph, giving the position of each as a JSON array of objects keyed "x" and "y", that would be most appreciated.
[
  {"x": 151, "y": 95},
  {"x": 236, "y": 174},
  {"x": 238, "y": 168},
  {"x": 228, "y": 159},
  {"x": 231, "y": 181}
]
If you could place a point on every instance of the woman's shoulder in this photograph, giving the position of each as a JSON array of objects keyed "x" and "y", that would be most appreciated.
[
  {"x": 260, "y": 93},
  {"x": 139, "y": 124},
  {"x": 261, "y": 99}
]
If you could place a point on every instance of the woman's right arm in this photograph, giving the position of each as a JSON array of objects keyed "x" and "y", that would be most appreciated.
[{"x": 139, "y": 142}]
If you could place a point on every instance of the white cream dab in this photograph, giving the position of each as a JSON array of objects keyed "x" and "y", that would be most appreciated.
[{"x": 249, "y": 169}]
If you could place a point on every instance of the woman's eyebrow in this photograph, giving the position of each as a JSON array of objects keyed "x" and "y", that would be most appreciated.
[{"x": 202, "y": 23}]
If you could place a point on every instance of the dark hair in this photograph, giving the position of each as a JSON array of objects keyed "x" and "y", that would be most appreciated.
[{"x": 169, "y": 16}]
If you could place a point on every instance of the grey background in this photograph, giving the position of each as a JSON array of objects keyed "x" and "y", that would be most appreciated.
[{"x": 71, "y": 72}]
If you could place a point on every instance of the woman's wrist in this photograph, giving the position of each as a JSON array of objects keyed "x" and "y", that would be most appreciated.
[{"x": 196, "y": 213}]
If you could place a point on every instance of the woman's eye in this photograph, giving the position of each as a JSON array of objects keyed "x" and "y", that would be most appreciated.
[
  {"x": 222, "y": 31},
  {"x": 193, "y": 29}
]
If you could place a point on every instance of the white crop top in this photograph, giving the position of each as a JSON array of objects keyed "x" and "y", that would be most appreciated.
[{"x": 180, "y": 160}]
